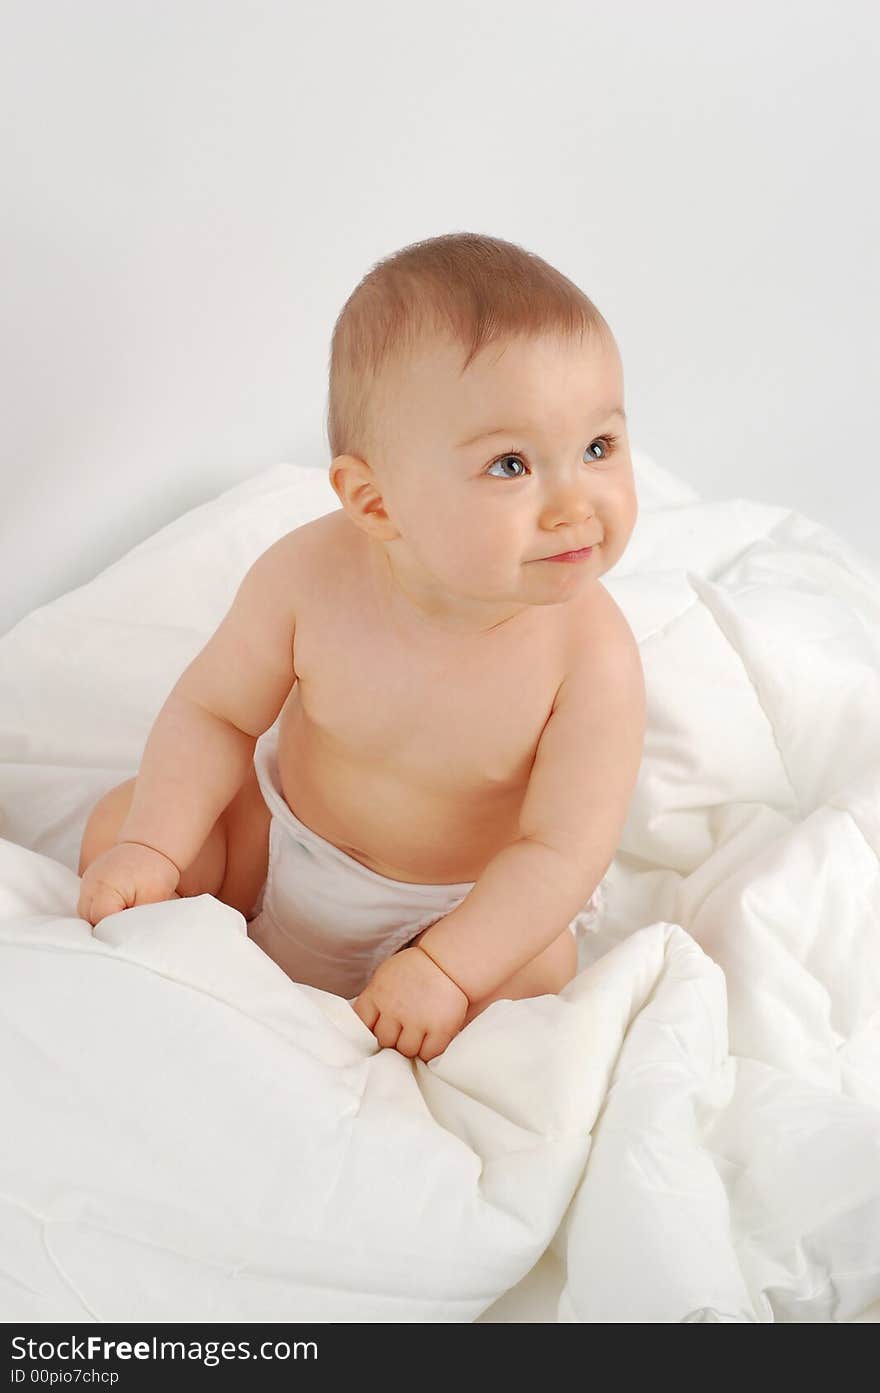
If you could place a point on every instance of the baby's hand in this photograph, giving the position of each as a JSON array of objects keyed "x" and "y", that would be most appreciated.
[
  {"x": 411, "y": 1005},
  {"x": 124, "y": 875}
]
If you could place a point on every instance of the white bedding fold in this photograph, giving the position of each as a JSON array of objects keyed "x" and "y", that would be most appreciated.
[{"x": 690, "y": 1132}]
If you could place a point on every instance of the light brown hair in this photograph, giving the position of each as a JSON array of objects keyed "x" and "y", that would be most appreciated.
[{"x": 471, "y": 288}]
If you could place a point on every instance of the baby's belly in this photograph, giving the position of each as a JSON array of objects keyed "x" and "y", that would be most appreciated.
[{"x": 437, "y": 834}]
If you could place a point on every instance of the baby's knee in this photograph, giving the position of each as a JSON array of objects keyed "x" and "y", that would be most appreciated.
[
  {"x": 553, "y": 968},
  {"x": 104, "y": 822},
  {"x": 568, "y": 958},
  {"x": 544, "y": 975}
]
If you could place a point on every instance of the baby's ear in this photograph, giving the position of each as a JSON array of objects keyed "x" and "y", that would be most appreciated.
[
  {"x": 357, "y": 488},
  {"x": 345, "y": 471}
]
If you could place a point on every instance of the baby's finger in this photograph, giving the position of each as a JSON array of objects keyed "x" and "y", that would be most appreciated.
[
  {"x": 434, "y": 1044},
  {"x": 105, "y": 901},
  {"x": 366, "y": 1010},
  {"x": 387, "y": 1031},
  {"x": 409, "y": 1042}
]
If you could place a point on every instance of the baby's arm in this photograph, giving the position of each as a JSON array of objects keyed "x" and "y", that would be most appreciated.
[
  {"x": 575, "y": 807},
  {"x": 201, "y": 744}
]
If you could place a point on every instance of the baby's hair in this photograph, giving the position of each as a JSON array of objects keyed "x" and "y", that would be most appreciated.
[{"x": 471, "y": 288}]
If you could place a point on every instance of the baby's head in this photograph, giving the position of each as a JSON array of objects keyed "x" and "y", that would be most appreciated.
[{"x": 476, "y": 423}]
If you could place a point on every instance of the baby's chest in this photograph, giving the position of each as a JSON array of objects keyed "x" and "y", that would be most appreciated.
[{"x": 443, "y": 719}]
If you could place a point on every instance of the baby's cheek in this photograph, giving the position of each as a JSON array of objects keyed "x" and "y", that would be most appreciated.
[{"x": 623, "y": 525}]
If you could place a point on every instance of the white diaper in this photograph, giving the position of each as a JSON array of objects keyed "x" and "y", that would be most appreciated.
[{"x": 329, "y": 921}]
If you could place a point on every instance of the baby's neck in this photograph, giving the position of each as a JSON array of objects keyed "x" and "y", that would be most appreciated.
[{"x": 403, "y": 609}]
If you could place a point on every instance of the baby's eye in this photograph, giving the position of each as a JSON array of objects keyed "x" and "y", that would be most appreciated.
[
  {"x": 502, "y": 459},
  {"x": 608, "y": 442}
]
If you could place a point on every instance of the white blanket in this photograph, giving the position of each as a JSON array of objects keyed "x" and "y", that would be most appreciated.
[{"x": 689, "y": 1132}]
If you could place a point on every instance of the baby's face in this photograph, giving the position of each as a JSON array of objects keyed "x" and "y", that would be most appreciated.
[{"x": 487, "y": 474}]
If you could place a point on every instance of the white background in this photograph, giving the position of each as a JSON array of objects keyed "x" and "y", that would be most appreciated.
[{"x": 192, "y": 188}]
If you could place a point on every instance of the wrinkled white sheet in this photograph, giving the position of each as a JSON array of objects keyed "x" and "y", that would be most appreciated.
[{"x": 689, "y": 1132}]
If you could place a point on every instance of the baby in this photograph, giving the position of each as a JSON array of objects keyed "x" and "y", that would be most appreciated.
[{"x": 407, "y": 753}]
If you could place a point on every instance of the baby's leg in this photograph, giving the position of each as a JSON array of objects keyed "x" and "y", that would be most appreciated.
[{"x": 546, "y": 974}]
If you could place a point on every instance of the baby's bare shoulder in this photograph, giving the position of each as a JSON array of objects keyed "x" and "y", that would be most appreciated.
[
  {"x": 603, "y": 663},
  {"x": 597, "y": 630},
  {"x": 299, "y": 558}
]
